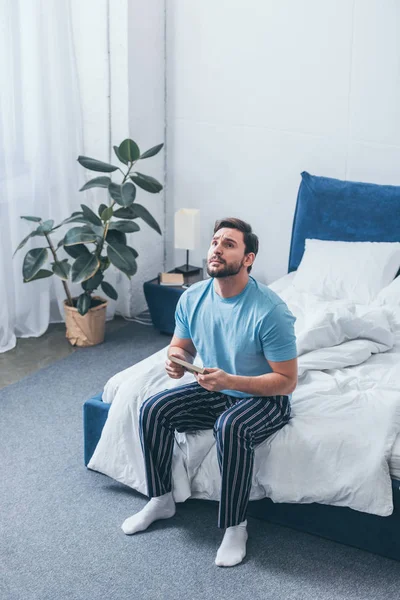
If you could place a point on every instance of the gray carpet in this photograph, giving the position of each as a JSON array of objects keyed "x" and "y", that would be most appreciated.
[{"x": 60, "y": 523}]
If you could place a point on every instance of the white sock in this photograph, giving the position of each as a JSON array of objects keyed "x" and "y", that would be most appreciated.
[
  {"x": 233, "y": 548},
  {"x": 162, "y": 507}
]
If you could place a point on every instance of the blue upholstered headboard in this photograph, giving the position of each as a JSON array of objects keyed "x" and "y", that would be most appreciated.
[{"x": 330, "y": 209}]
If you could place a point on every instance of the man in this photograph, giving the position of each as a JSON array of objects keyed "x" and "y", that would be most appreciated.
[{"x": 244, "y": 334}]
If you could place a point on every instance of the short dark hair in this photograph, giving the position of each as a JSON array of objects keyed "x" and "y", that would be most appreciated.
[{"x": 250, "y": 239}]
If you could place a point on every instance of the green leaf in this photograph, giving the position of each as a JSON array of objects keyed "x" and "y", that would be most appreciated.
[
  {"x": 109, "y": 290},
  {"x": 79, "y": 235},
  {"x": 143, "y": 213},
  {"x": 122, "y": 258},
  {"x": 101, "y": 208},
  {"x": 147, "y": 183},
  {"x": 101, "y": 182},
  {"x": 116, "y": 150},
  {"x": 96, "y": 165},
  {"x": 125, "y": 226},
  {"x": 85, "y": 266},
  {"x": 61, "y": 268},
  {"x": 133, "y": 251},
  {"x": 99, "y": 231},
  {"x": 136, "y": 211},
  {"x": 104, "y": 263},
  {"x": 122, "y": 194},
  {"x": 77, "y": 250},
  {"x": 90, "y": 215},
  {"x": 36, "y": 219},
  {"x": 32, "y": 234},
  {"x": 114, "y": 236},
  {"x": 45, "y": 227},
  {"x": 128, "y": 194},
  {"x": 115, "y": 192},
  {"x": 83, "y": 303},
  {"x": 107, "y": 213},
  {"x": 125, "y": 213},
  {"x": 33, "y": 261},
  {"x": 93, "y": 282},
  {"x": 42, "y": 274},
  {"x": 152, "y": 152},
  {"x": 75, "y": 218},
  {"x": 129, "y": 150}
]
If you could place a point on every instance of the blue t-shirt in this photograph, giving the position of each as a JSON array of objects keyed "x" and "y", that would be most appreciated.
[{"x": 237, "y": 334}]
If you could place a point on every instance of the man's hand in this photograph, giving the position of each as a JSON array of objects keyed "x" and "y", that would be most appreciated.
[
  {"x": 214, "y": 380},
  {"x": 175, "y": 371},
  {"x": 180, "y": 348}
]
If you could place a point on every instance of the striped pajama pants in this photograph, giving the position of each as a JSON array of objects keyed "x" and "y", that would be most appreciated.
[{"x": 239, "y": 425}]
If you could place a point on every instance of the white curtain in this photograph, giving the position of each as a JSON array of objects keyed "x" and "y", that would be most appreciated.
[{"x": 40, "y": 140}]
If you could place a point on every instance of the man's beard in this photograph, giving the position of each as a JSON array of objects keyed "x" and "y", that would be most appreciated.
[{"x": 227, "y": 271}]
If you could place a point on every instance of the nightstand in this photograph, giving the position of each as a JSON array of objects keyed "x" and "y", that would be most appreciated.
[{"x": 162, "y": 300}]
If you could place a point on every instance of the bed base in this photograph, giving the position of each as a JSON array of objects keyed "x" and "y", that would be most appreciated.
[{"x": 380, "y": 535}]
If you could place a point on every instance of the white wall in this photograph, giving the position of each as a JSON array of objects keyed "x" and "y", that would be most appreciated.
[
  {"x": 120, "y": 59},
  {"x": 262, "y": 90}
]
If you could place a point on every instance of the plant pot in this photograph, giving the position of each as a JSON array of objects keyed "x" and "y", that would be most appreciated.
[{"x": 86, "y": 330}]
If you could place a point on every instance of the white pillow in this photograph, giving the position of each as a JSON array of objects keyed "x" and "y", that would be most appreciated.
[
  {"x": 390, "y": 294},
  {"x": 356, "y": 271}
]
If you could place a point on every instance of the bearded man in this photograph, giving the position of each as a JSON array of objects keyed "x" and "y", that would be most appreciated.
[{"x": 244, "y": 334}]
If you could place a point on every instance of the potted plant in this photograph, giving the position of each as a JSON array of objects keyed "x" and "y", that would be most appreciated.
[{"x": 94, "y": 242}]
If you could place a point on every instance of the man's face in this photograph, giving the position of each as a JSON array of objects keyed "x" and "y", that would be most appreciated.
[{"x": 226, "y": 256}]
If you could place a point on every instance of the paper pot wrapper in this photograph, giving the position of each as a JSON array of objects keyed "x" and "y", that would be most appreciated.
[{"x": 86, "y": 330}]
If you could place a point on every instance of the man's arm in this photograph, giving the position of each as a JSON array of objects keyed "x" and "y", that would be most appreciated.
[
  {"x": 281, "y": 382},
  {"x": 181, "y": 348},
  {"x": 184, "y": 347}
]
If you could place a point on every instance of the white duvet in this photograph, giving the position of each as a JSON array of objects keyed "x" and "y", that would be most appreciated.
[{"x": 345, "y": 415}]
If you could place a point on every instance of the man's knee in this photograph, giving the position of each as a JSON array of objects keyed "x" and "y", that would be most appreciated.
[
  {"x": 153, "y": 406},
  {"x": 228, "y": 426}
]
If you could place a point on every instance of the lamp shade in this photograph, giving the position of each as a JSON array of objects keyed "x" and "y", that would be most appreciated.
[{"x": 187, "y": 228}]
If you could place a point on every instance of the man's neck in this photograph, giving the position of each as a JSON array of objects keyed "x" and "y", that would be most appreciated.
[{"x": 227, "y": 287}]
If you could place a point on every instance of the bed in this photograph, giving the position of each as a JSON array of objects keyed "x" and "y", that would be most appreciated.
[{"x": 319, "y": 474}]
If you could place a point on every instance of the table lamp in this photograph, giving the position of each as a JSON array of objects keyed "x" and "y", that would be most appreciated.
[{"x": 187, "y": 235}]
